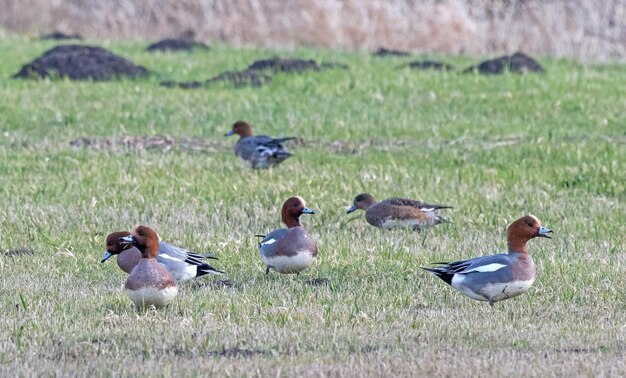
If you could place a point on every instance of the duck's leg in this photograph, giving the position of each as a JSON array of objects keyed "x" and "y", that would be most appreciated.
[{"x": 267, "y": 270}]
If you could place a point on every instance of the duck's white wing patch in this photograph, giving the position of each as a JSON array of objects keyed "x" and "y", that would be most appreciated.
[
  {"x": 486, "y": 268},
  {"x": 268, "y": 242}
]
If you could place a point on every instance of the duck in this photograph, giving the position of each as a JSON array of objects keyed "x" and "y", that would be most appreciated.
[
  {"x": 149, "y": 283},
  {"x": 494, "y": 278},
  {"x": 258, "y": 151},
  {"x": 181, "y": 263},
  {"x": 394, "y": 213},
  {"x": 289, "y": 250}
]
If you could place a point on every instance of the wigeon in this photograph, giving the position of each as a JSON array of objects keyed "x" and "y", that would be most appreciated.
[
  {"x": 291, "y": 249},
  {"x": 497, "y": 277},
  {"x": 398, "y": 212},
  {"x": 149, "y": 283},
  {"x": 181, "y": 263},
  {"x": 260, "y": 151}
]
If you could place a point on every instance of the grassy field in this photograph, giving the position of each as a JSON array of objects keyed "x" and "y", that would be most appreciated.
[{"x": 495, "y": 148}]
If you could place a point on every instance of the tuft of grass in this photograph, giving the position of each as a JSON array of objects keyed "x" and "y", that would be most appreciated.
[{"x": 495, "y": 148}]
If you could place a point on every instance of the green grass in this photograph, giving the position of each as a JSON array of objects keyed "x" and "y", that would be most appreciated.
[{"x": 495, "y": 148}]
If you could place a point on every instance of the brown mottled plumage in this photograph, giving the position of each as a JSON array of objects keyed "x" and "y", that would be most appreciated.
[{"x": 398, "y": 212}]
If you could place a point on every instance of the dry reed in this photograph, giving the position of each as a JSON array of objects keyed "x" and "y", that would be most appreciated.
[{"x": 584, "y": 29}]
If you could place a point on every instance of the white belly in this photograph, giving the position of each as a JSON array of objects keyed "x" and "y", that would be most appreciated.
[
  {"x": 398, "y": 223},
  {"x": 492, "y": 292},
  {"x": 501, "y": 291},
  {"x": 151, "y": 296},
  {"x": 290, "y": 264}
]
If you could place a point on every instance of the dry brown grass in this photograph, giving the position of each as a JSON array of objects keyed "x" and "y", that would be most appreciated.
[{"x": 590, "y": 30}]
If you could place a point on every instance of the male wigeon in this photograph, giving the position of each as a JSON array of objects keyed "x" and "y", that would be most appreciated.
[
  {"x": 149, "y": 283},
  {"x": 181, "y": 263},
  {"x": 497, "y": 277},
  {"x": 260, "y": 151},
  {"x": 398, "y": 212},
  {"x": 291, "y": 249}
]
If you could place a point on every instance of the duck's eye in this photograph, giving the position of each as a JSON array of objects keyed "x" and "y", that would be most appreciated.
[
  {"x": 140, "y": 232},
  {"x": 110, "y": 243},
  {"x": 530, "y": 224}
]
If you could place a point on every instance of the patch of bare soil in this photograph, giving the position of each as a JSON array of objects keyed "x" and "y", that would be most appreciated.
[
  {"x": 258, "y": 73},
  {"x": 245, "y": 78},
  {"x": 159, "y": 142},
  {"x": 239, "y": 79},
  {"x": 382, "y": 52},
  {"x": 430, "y": 65},
  {"x": 182, "y": 84},
  {"x": 293, "y": 65},
  {"x": 359, "y": 147},
  {"x": 176, "y": 44},
  {"x": 319, "y": 282},
  {"x": 284, "y": 65},
  {"x": 59, "y": 36},
  {"x": 518, "y": 63},
  {"x": 18, "y": 251},
  {"x": 213, "y": 284},
  {"x": 237, "y": 353},
  {"x": 79, "y": 62}
]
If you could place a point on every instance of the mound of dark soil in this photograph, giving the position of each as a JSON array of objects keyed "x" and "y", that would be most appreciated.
[
  {"x": 79, "y": 62},
  {"x": 518, "y": 63},
  {"x": 284, "y": 65},
  {"x": 430, "y": 65},
  {"x": 386, "y": 52},
  {"x": 57, "y": 35},
  {"x": 176, "y": 44}
]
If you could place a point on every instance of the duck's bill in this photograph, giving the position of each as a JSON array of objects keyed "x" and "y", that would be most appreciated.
[
  {"x": 105, "y": 257},
  {"x": 229, "y": 133},
  {"x": 543, "y": 232},
  {"x": 351, "y": 209},
  {"x": 306, "y": 210},
  {"x": 127, "y": 239}
]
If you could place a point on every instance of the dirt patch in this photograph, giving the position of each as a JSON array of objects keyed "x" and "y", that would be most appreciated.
[
  {"x": 359, "y": 147},
  {"x": 182, "y": 84},
  {"x": 293, "y": 65},
  {"x": 79, "y": 62},
  {"x": 258, "y": 73},
  {"x": 430, "y": 65},
  {"x": 239, "y": 79},
  {"x": 284, "y": 65},
  {"x": 245, "y": 78},
  {"x": 382, "y": 52},
  {"x": 214, "y": 284},
  {"x": 237, "y": 352},
  {"x": 159, "y": 142},
  {"x": 334, "y": 65},
  {"x": 59, "y": 36},
  {"x": 518, "y": 63},
  {"x": 176, "y": 44},
  {"x": 18, "y": 251},
  {"x": 319, "y": 282}
]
